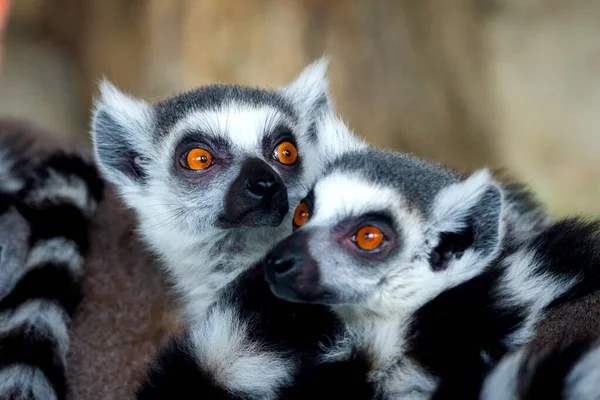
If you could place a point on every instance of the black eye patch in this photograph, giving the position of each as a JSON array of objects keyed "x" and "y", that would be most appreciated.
[
  {"x": 271, "y": 138},
  {"x": 217, "y": 144},
  {"x": 309, "y": 201}
]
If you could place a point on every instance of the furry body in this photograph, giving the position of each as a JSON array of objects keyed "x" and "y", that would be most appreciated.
[
  {"x": 209, "y": 226},
  {"x": 440, "y": 338}
]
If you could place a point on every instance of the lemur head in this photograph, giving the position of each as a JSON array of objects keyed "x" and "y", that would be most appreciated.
[
  {"x": 386, "y": 231},
  {"x": 217, "y": 159}
]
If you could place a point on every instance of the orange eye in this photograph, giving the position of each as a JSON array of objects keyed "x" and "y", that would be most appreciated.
[
  {"x": 369, "y": 238},
  {"x": 301, "y": 214},
  {"x": 197, "y": 159},
  {"x": 286, "y": 153}
]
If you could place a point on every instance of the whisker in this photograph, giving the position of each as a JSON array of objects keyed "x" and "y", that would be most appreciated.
[{"x": 166, "y": 221}]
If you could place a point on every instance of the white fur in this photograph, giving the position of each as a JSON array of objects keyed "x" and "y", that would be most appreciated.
[
  {"x": 382, "y": 337},
  {"x": 23, "y": 382},
  {"x": 191, "y": 265},
  {"x": 583, "y": 382},
  {"x": 224, "y": 349},
  {"x": 520, "y": 286},
  {"x": 309, "y": 86},
  {"x": 241, "y": 125},
  {"x": 454, "y": 202},
  {"x": 342, "y": 195},
  {"x": 47, "y": 317},
  {"x": 501, "y": 383},
  {"x": 336, "y": 138},
  {"x": 407, "y": 380},
  {"x": 57, "y": 251}
]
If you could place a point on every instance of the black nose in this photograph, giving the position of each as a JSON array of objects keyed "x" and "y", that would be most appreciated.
[
  {"x": 263, "y": 186},
  {"x": 291, "y": 271},
  {"x": 280, "y": 265},
  {"x": 257, "y": 197}
]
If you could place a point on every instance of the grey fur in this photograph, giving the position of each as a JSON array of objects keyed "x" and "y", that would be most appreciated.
[
  {"x": 115, "y": 148},
  {"x": 14, "y": 247},
  {"x": 418, "y": 180},
  {"x": 485, "y": 218},
  {"x": 171, "y": 110}
]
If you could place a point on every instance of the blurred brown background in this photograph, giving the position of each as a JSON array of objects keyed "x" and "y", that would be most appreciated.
[{"x": 505, "y": 83}]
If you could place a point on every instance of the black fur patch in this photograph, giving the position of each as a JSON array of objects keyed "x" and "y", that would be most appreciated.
[
  {"x": 6, "y": 202},
  {"x": 545, "y": 379},
  {"x": 296, "y": 328},
  {"x": 450, "y": 246},
  {"x": 521, "y": 198},
  {"x": 51, "y": 220},
  {"x": 299, "y": 327},
  {"x": 448, "y": 334},
  {"x": 176, "y": 375},
  {"x": 47, "y": 282},
  {"x": 345, "y": 379},
  {"x": 570, "y": 248},
  {"x": 34, "y": 348}
]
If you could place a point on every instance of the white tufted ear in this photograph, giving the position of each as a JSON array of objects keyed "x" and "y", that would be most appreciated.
[
  {"x": 309, "y": 92},
  {"x": 466, "y": 216},
  {"x": 122, "y": 128}
]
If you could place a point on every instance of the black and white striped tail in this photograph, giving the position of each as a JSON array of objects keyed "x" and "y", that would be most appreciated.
[
  {"x": 43, "y": 240},
  {"x": 570, "y": 373}
]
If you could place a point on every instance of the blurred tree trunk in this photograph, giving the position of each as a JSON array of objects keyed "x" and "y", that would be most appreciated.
[
  {"x": 466, "y": 82},
  {"x": 406, "y": 74}
]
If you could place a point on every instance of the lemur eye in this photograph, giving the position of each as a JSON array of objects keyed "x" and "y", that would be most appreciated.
[
  {"x": 301, "y": 214},
  {"x": 368, "y": 238},
  {"x": 197, "y": 159},
  {"x": 286, "y": 153}
]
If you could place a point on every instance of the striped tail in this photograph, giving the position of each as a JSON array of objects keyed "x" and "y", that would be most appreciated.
[
  {"x": 44, "y": 237},
  {"x": 571, "y": 372}
]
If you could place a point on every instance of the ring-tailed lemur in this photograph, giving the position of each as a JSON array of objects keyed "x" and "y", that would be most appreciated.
[
  {"x": 212, "y": 173},
  {"x": 571, "y": 372},
  {"x": 250, "y": 344},
  {"x": 46, "y": 202},
  {"x": 426, "y": 272},
  {"x": 253, "y": 345}
]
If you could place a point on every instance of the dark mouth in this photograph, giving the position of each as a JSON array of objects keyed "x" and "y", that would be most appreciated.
[
  {"x": 255, "y": 218},
  {"x": 286, "y": 294}
]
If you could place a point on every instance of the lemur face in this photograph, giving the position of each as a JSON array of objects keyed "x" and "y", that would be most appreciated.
[
  {"x": 218, "y": 157},
  {"x": 384, "y": 230}
]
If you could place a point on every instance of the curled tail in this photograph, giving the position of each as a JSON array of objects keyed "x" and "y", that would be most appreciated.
[{"x": 45, "y": 212}]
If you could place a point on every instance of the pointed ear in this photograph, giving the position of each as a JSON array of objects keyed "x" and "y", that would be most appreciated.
[
  {"x": 309, "y": 92},
  {"x": 122, "y": 128},
  {"x": 466, "y": 216}
]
